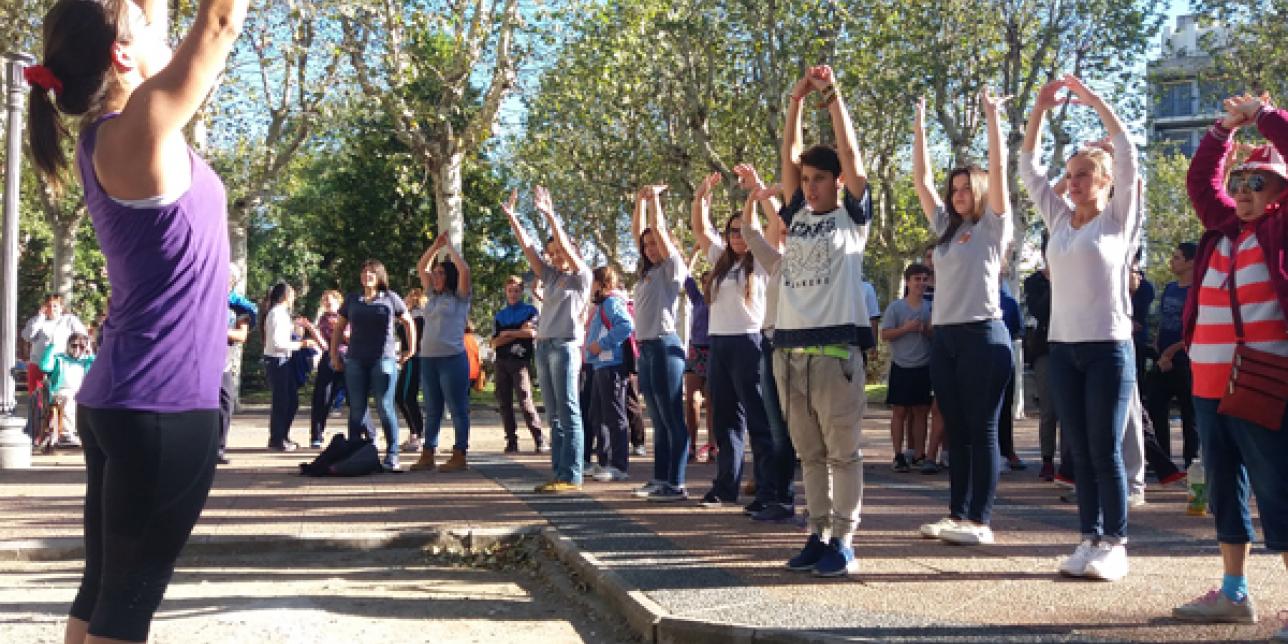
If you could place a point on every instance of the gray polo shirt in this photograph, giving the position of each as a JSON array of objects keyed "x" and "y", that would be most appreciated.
[
  {"x": 563, "y": 302},
  {"x": 966, "y": 268},
  {"x": 444, "y": 333},
  {"x": 656, "y": 298},
  {"x": 910, "y": 349}
]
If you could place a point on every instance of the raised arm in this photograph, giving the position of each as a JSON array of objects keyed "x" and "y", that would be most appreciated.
[
  {"x": 790, "y": 153},
  {"x": 776, "y": 230},
  {"x": 1126, "y": 163},
  {"x": 638, "y": 214},
  {"x": 463, "y": 283},
  {"x": 426, "y": 260},
  {"x": 703, "y": 231},
  {"x": 147, "y": 137},
  {"x": 541, "y": 199},
  {"x": 923, "y": 174},
  {"x": 764, "y": 250},
  {"x": 999, "y": 193},
  {"x": 853, "y": 173},
  {"x": 1085, "y": 96},
  {"x": 533, "y": 255},
  {"x": 658, "y": 221},
  {"x": 1049, "y": 204},
  {"x": 749, "y": 180}
]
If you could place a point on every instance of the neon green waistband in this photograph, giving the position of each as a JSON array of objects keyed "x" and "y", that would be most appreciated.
[{"x": 829, "y": 350}]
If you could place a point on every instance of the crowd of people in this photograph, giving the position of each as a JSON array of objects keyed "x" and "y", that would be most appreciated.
[{"x": 776, "y": 346}]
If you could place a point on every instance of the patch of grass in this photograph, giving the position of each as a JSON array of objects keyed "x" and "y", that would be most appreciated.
[{"x": 876, "y": 393}]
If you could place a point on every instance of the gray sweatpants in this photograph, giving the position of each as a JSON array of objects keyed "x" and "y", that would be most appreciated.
[{"x": 823, "y": 401}]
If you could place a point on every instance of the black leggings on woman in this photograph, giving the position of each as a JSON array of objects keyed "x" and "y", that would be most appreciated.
[{"x": 148, "y": 478}]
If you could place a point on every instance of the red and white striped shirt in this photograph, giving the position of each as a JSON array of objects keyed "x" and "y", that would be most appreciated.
[{"x": 1264, "y": 325}]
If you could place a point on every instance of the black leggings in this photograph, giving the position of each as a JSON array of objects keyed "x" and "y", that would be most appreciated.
[{"x": 148, "y": 478}]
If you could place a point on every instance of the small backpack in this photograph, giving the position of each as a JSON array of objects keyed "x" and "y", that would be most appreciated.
[{"x": 631, "y": 348}]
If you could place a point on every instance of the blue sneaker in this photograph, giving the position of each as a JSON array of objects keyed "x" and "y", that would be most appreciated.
[
  {"x": 836, "y": 561},
  {"x": 808, "y": 557},
  {"x": 774, "y": 512},
  {"x": 668, "y": 494}
]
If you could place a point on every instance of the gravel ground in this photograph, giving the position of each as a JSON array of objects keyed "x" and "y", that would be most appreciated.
[{"x": 513, "y": 594}]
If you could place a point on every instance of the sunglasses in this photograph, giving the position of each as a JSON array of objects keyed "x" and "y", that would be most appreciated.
[
  {"x": 78, "y": 345},
  {"x": 1253, "y": 182}
]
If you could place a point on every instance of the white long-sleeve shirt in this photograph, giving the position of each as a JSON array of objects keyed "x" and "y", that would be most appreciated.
[
  {"x": 1090, "y": 295},
  {"x": 277, "y": 333}
]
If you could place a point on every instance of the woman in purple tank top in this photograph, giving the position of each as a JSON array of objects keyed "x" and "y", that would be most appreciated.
[{"x": 150, "y": 407}]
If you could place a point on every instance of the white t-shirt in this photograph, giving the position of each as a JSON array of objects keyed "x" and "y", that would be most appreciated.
[
  {"x": 732, "y": 312},
  {"x": 1090, "y": 294}
]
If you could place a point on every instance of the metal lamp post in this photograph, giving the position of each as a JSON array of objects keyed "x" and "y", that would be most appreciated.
[{"x": 15, "y": 446}]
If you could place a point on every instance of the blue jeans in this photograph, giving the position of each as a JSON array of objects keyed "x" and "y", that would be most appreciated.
[
  {"x": 558, "y": 364},
  {"x": 970, "y": 365},
  {"x": 363, "y": 378},
  {"x": 1092, "y": 384},
  {"x": 781, "y": 465},
  {"x": 446, "y": 381},
  {"x": 1238, "y": 457},
  {"x": 662, "y": 383},
  {"x": 738, "y": 408},
  {"x": 285, "y": 399}
]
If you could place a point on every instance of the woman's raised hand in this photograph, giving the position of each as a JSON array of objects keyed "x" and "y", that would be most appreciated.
[
  {"x": 704, "y": 189},
  {"x": 541, "y": 199},
  {"x": 990, "y": 102},
  {"x": 1047, "y": 99},
  {"x": 748, "y": 178},
  {"x": 1082, "y": 95},
  {"x": 821, "y": 77},
  {"x": 762, "y": 193},
  {"x": 1241, "y": 110},
  {"x": 508, "y": 206}
]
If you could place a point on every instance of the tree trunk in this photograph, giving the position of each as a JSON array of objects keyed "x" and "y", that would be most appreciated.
[
  {"x": 64, "y": 265},
  {"x": 448, "y": 198},
  {"x": 238, "y": 232}
]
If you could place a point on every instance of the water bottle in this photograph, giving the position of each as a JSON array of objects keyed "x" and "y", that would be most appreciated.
[{"x": 1197, "y": 505}]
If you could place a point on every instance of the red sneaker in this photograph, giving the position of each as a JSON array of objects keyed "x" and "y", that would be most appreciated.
[{"x": 1177, "y": 478}]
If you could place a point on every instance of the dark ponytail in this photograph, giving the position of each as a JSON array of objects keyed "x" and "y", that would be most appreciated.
[{"x": 78, "y": 36}]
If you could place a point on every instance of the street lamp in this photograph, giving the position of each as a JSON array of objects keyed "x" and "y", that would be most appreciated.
[{"x": 15, "y": 445}]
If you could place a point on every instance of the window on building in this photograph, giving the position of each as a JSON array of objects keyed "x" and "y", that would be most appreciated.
[
  {"x": 1176, "y": 99},
  {"x": 1183, "y": 141},
  {"x": 1212, "y": 92}
]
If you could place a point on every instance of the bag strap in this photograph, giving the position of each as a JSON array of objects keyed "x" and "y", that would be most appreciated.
[{"x": 1235, "y": 311}]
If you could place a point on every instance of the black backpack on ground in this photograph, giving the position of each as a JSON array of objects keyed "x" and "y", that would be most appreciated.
[{"x": 343, "y": 457}]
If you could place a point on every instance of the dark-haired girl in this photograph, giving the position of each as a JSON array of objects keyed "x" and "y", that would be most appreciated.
[
  {"x": 736, "y": 299},
  {"x": 371, "y": 365},
  {"x": 444, "y": 365},
  {"x": 657, "y": 296},
  {"x": 970, "y": 358},
  {"x": 150, "y": 438}
]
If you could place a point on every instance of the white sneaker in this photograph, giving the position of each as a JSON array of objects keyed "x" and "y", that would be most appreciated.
[
  {"x": 610, "y": 473},
  {"x": 1135, "y": 499},
  {"x": 967, "y": 534},
  {"x": 933, "y": 530},
  {"x": 1108, "y": 562},
  {"x": 595, "y": 470},
  {"x": 645, "y": 490},
  {"x": 1075, "y": 565}
]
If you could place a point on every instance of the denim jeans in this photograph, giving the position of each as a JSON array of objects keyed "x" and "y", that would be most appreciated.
[
  {"x": 738, "y": 409},
  {"x": 285, "y": 399},
  {"x": 970, "y": 365},
  {"x": 366, "y": 377},
  {"x": 1241, "y": 457},
  {"x": 1092, "y": 383},
  {"x": 446, "y": 382},
  {"x": 662, "y": 382},
  {"x": 781, "y": 465},
  {"x": 558, "y": 364}
]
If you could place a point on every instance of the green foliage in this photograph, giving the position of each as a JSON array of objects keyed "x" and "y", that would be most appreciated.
[
  {"x": 1251, "y": 48},
  {"x": 1170, "y": 216}
]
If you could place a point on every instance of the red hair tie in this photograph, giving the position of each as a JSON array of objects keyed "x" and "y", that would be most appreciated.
[{"x": 41, "y": 76}]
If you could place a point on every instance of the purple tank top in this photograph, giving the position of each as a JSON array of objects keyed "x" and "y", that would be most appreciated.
[{"x": 164, "y": 340}]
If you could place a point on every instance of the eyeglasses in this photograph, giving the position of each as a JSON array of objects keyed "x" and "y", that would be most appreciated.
[
  {"x": 77, "y": 345},
  {"x": 1253, "y": 182}
]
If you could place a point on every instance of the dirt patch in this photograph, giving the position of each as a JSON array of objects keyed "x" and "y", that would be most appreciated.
[{"x": 506, "y": 592}]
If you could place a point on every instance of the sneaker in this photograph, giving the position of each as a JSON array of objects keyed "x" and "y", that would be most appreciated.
[
  {"x": 809, "y": 555},
  {"x": 775, "y": 512},
  {"x": 966, "y": 533},
  {"x": 646, "y": 490},
  {"x": 1047, "y": 473},
  {"x": 933, "y": 530},
  {"x": 315, "y": 444},
  {"x": 1108, "y": 562},
  {"x": 541, "y": 448},
  {"x": 1016, "y": 464},
  {"x": 1075, "y": 565},
  {"x": 668, "y": 494},
  {"x": 556, "y": 487},
  {"x": 753, "y": 508},
  {"x": 69, "y": 441},
  {"x": 391, "y": 465},
  {"x": 594, "y": 471},
  {"x": 287, "y": 446},
  {"x": 929, "y": 467},
  {"x": 511, "y": 446},
  {"x": 917, "y": 462},
  {"x": 412, "y": 445},
  {"x": 900, "y": 464},
  {"x": 706, "y": 453},
  {"x": 222, "y": 459},
  {"x": 1135, "y": 499},
  {"x": 1064, "y": 481},
  {"x": 544, "y": 487},
  {"x": 1177, "y": 479},
  {"x": 1215, "y": 607},
  {"x": 711, "y": 500},
  {"x": 837, "y": 560},
  {"x": 640, "y": 450},
  {"x": 609, "y": 474}
]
